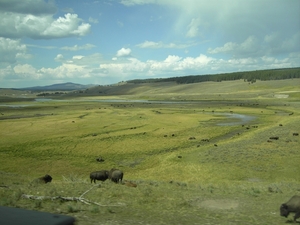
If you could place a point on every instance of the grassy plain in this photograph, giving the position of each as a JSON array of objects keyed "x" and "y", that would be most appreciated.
[{"x": 238, "y": 176}]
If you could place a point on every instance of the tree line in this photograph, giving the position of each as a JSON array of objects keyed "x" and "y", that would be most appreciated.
[{"x": 249, "y": 76}]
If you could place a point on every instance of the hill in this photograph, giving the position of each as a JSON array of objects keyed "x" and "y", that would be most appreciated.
[
  {"x": 69, "y": 86},
  {"x": 192, "y": 84},
  {"x": 249, "y": 76},
  {"x": 195, "y": 91}
]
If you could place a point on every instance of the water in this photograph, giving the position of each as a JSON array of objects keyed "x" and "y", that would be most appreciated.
[
  {"x": 238, "y": 119},
  {"x": 234, "y": 119}
]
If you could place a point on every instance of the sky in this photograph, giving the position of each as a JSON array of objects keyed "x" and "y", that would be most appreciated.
[{"x": 44, "y": 42}]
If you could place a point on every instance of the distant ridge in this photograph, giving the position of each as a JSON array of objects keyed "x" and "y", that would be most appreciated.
[
  {"x": 69, "y": 86},
  {"x": 250, "y": 76}
]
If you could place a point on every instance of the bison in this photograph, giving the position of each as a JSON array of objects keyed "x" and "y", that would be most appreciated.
[
  {"x": 45, "y": 179},
  {"x": 115, "y": 175},
  {"x": 99, "y": 175},
  {"x": 293, "y": 205},
  {"x": 100, "y": 159}
]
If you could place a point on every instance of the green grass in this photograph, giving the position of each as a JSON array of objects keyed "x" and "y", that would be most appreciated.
[{"x": 238, "y": 177}]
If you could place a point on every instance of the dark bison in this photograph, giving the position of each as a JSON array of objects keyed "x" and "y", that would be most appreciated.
[
  {"x": 293, "y": 205},
  {"x": 115, "y": 175},
  {"x": 100, "y": 159},
  {"x": 45, "y": 179},
  {"x": 99, "y": 175}
]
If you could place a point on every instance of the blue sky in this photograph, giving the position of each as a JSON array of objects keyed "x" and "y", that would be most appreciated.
[{"x": 44, "y": 42}]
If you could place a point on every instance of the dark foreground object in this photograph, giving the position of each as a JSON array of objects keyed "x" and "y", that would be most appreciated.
[
  {"x": 292, "y": 206},
  {"x": 16, "y": 216}
]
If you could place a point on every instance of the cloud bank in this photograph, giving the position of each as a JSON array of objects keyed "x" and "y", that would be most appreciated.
[{"x": 47, "y": 41}]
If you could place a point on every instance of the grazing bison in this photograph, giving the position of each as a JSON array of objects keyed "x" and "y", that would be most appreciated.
[
  {"x": 100, "y": 159},
  {"x": 99, "y": 175},
  {"x": 205, "y": 139},
  {"x": 45, "y": 179},
  {"x": 115, "y": 175},
  {"x": 293, "y": 205}
]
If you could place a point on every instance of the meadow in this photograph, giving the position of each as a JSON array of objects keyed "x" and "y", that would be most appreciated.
[{"x": 199, "y": 153}]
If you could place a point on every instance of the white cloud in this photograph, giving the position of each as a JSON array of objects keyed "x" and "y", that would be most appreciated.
[
  {"x": 177, "y": 66},
  {"x": 228, "y": 47},
  {"x": 248, "y": 47},
  {"x": 231, "y": 20},
  {"x": 252, "y": 46},
  {"x": 34, "y": 19},
  {"x": 10, "y": 50},
  {"x": 77, "y": 48},
  {"x": 275, "y": 43},
  {"x": 42, "y": 47},
  {"x": 123, "y": 52},
  {"x": 249, "y": 35},
  {"x": 272, "y": 38},
  {"x": 5, "y": 73},
  {"x": 15, "y": 25},
  {"x": 83, "y": 67},
  {"x": 59, "y": 57},
  {"x": 150, "y": 44},
  {"x": 70, "y": 25},
  {"x": 136, "y": 2},
  {"x": 160, "y": 44},
  {"x": 26, "y": 71},
  {"x": 78, "y": 56},
  {"x": 92, "y": 20},
  {"x": 194, "y": 28},
  {"x": 87, "y": 61},
  {"x": 292, "y": 43},
  {"x": 172, "y": 59},
  {"x": 65, "y": 71},
  {"x": 168, "y": 66}
]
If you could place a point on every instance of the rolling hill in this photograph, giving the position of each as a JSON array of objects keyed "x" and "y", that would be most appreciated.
[{"x": 69, "y": 86}]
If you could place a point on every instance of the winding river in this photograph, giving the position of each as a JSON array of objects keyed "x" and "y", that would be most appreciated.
[{"x": 233, "y": 118}]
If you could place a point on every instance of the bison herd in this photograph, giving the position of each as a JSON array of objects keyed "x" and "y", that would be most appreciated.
[{"x": 114, "y": 175}]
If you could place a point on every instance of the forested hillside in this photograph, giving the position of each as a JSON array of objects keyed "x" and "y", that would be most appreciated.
[{"x": 249, "y": 76}]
